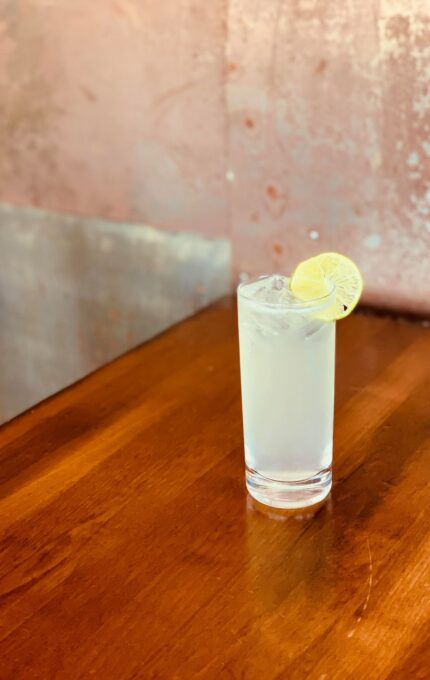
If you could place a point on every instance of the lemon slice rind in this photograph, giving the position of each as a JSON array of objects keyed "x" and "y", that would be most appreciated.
[{"x": 314, "y": 279}]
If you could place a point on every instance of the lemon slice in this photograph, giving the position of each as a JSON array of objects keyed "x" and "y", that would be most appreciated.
[{"x": 314, "y": 278}]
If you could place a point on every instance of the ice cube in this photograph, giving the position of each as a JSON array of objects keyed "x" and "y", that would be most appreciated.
[
  {"x": 312, "y": 328},
  {"x": 273, "y": 289},
  {"x": 278, "y": 283}
]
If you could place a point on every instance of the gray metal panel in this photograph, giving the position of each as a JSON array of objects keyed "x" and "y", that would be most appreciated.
[{"x": 76, "y": 292}]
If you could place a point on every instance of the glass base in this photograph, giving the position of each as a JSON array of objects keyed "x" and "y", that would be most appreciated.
[{"x": 292, "y": 494}]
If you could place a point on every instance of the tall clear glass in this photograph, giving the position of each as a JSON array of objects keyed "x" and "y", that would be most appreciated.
[{"x": 287, "y": 359}]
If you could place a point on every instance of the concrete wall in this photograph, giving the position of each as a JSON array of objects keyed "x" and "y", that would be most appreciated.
[
  {"x": 270, "y": 128},
  {"x": 75, "y": 293}
]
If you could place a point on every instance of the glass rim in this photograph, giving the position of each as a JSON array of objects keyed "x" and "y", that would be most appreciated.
[{"x": 301, "y": 305}]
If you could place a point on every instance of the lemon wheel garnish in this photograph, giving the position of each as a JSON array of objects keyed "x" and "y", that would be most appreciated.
[{"x": 314, "y": 278}]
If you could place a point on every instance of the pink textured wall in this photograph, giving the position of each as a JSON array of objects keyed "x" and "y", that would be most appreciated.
[
  {"x": 113, "y": 108},
  {"x": 291, "y": 126},
  {"x": 330, "y": 138}
]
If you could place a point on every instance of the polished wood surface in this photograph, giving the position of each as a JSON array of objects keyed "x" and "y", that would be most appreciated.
[{"x": 130, "y": 549}]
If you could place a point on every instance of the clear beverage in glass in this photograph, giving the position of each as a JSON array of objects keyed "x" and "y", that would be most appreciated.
[{"x": 287, "y": 358}]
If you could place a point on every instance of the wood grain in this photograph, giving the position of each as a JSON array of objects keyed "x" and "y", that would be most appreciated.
[{"x": 129, "y": 548}]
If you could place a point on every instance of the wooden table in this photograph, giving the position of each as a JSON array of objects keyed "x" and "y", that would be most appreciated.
[{"x": 129, "y": 547}]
